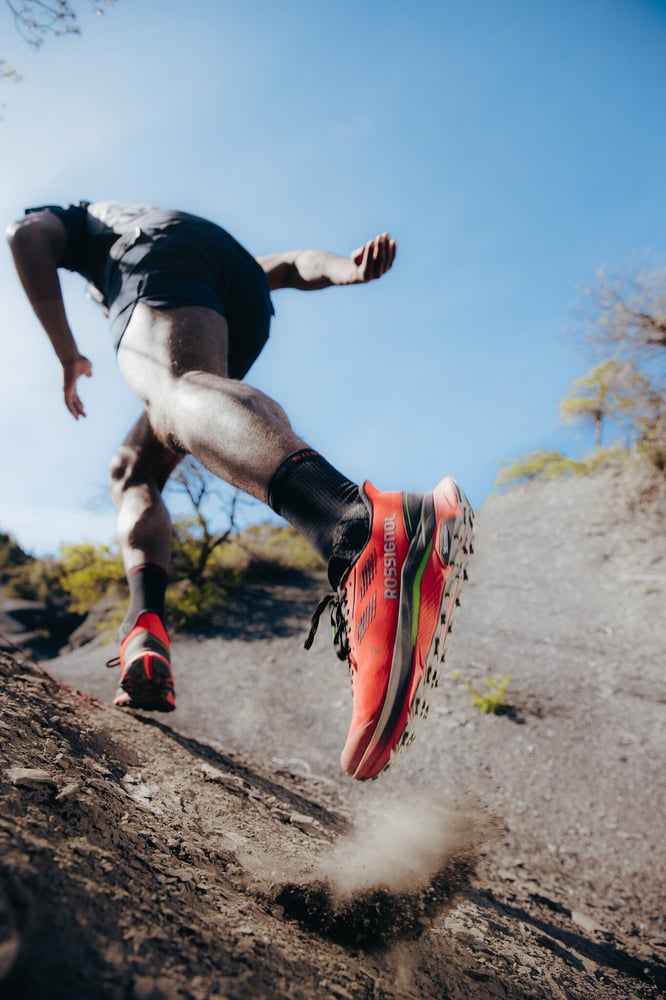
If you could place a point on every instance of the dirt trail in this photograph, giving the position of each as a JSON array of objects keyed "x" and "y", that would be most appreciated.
[{"x": 218, "y": 852}]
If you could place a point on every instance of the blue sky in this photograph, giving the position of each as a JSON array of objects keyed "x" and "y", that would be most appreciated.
[{"x": 510, "y": 147}]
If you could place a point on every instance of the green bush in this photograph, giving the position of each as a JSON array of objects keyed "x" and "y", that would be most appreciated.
[
  {"x": 191, "y": 604},
  {"x": 264, "y": 548},
  {"x": 552, "y": 464},
  {"x": 280, "y": 547},
  {"x": 540, "y": 464},
  {"x": 492, "y": 700},
  {"x": 652, "y": 442},
  {"x": 12, "y": 556},
  {"x": 36, "y": 580},
  {"x": 604, "y": 456},
  {"x": 85, "y": 574},
  {"x": 88, "y": 572}
]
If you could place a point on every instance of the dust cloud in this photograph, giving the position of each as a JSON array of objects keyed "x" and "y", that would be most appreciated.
[{"x": 400, "y": 846}]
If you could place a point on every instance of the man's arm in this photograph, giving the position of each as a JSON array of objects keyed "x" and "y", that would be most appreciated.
[
  {"x": 38, "y": 244},
  {"x": 309, "y": 270}
]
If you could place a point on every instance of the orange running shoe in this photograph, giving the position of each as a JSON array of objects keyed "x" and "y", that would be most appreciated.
[
  {"x": 392, "y": 614},
  {"x": 146, "y": 681}
]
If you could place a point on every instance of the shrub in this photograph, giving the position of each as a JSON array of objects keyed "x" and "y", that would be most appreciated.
[
  {"x": 281, "y": 547},
  {"x": 493, "y": 699},
  {"x": 12, "y": 556},
  {"x": 190, "y": 604},
  {"x": 88, "y": 572},
  {"x": 537, "y": 464},
  {"x": 37, "y": 580}
]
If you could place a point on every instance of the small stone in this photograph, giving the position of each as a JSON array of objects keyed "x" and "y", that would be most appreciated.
[
  {"x": 29, "y": 777},
  {"x": 69, "y": 790},
  {"x": 114, "y": 954},
  {"x": 340, "y": 992},
  {"x": 147, "y": 988},
  {"x": 587, "y": 923},
  {"x": 305, "y": 823},
  {"x": 211, "y": 773}
]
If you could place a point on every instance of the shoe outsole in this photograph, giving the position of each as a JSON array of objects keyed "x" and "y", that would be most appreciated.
[
  {"x": 460, "y": 528},
  {"x": 149, "y": 685}
]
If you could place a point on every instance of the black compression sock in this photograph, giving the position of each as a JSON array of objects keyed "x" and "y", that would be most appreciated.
[
  {"x": 147, "y": 585},
  {"x": 324, "y": 506}
]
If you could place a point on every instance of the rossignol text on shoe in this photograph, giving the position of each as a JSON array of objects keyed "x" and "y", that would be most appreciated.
[{"x": 391, "y": 587}]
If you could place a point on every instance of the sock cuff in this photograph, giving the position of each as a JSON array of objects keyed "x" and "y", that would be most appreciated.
[
  {"x": 153, "y": 567},
  {"x": 284, "y": 469}
]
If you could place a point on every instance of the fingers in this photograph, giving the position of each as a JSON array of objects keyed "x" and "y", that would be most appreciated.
[
  {"x": 73, "y": 401},
  {"x": 75, "y": 406},
  {"x": 376, "y": 257},
  {"x": 71, "y": 372}
]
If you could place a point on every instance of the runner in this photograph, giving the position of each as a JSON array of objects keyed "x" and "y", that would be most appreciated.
[{"x": 190, "y": 311}]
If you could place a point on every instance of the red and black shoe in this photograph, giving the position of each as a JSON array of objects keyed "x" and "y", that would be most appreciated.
[
  {"x": 146, "y": 681},
  {"x": 392, "y": 614}
]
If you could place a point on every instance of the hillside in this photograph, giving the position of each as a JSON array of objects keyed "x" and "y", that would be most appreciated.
[{"x": 218, "y": 852}]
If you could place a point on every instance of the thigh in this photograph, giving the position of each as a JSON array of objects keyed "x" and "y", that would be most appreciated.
[{"x": 159, "y": 347}]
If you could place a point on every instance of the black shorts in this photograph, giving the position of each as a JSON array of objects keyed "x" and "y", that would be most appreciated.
[{"x": 188, "y": 261}]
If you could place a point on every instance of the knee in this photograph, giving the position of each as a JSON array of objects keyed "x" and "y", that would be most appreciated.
[
  {"x": 142, "y": 468},
  {"x": 121, "y": 472},
  {"x": 273, "y": 411}
]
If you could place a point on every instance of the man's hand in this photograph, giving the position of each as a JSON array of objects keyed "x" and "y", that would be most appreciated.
[
  {"x": 374, "y": 258},
  {"x": 71, "y": 371}
]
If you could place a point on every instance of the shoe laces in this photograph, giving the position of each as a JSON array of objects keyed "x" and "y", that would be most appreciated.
[{"x": 336, "y": 602}]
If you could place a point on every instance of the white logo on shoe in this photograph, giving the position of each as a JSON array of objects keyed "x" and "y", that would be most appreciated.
[{"x": 390, "y": 559}]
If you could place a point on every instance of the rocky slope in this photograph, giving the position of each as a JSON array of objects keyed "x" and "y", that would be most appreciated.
[{"x": 219, "y": 853}]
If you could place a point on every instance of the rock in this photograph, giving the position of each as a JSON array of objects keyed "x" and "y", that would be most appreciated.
[
  {"x": 69, "y": 790},
  {"x": 232, "y": 781},
  {"x": 29, "y": 777},
  {"x": 585, "y": 922},
  {"x": 305, "y": 823},
  {"x": 149, "y": 988}
]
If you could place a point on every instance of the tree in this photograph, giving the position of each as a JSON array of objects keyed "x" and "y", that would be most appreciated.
[
  {"x": 626, "y": 312},
  {"x": 652, "y": 425},
  {"x": 194, "y": 538},
  {"x": 36, "y": 20},
  {"x": 613, "y": 390},
  {"x": 624, "y": 315}
]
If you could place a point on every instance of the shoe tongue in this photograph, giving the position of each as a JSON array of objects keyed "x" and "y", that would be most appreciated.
[
  {"x": 350, "y": 537},
  {"x": 337, "y": 568}
]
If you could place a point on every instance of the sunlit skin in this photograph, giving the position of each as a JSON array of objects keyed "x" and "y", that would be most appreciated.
[{"x": 175, "y": 362}]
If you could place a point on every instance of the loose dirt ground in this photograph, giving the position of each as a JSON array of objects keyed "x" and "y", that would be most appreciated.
[{"x": 218, "y": 852}]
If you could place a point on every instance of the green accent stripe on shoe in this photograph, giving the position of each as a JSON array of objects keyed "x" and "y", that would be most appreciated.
[
  {"x": 407, "y": 515},
  {"x": 416, "y": 592}
]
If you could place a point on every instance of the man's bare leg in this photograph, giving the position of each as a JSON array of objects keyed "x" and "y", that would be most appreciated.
[
  {"x": 138, "y": 474},
  {"x": 176, "y": 363}
]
